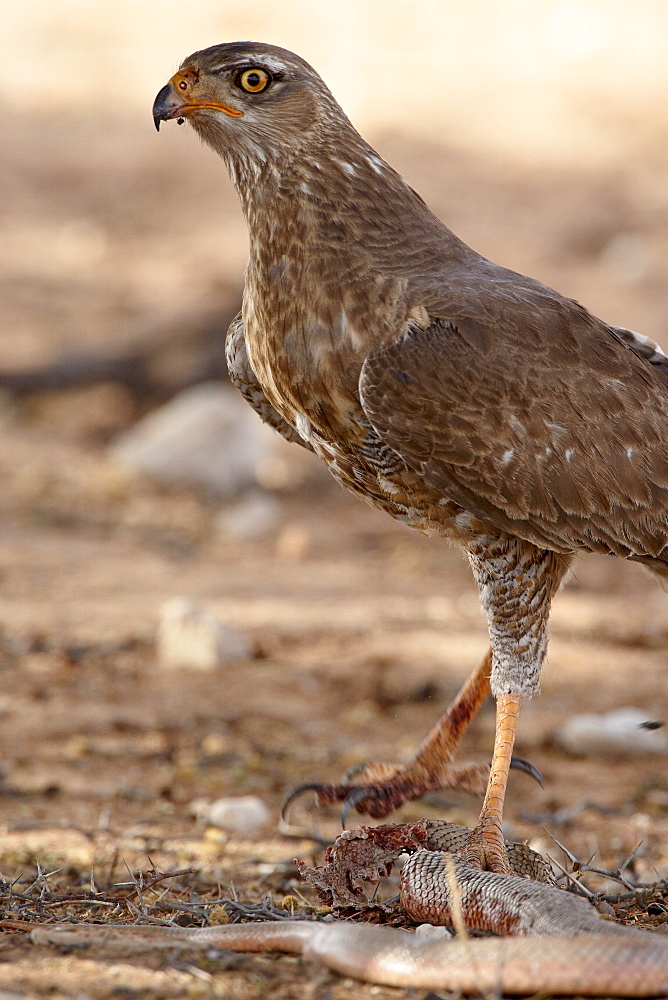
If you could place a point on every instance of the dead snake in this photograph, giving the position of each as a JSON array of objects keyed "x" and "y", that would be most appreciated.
[{"x": 559, "y": 943}]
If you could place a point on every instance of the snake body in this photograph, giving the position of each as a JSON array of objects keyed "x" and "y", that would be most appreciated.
[{"x": 559, "y": 943}]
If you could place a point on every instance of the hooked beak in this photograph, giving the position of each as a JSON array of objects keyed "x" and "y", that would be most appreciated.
[{"x": 176, "y": 100}]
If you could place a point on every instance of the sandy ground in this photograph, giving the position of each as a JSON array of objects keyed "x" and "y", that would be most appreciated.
[{"x": 362, "y": 630}]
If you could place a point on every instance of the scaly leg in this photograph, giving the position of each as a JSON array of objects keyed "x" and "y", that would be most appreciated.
[
  {"x": 485, "y": 847},
  {"x": 517, "y": 582}
]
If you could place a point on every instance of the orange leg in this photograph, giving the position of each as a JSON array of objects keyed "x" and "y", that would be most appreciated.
[
  {"x": 384, "y": 787},
  {"x": 485, "y": 847}
]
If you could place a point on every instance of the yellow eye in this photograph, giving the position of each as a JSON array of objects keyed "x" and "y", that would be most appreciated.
[{"x": 254, "y": 80}]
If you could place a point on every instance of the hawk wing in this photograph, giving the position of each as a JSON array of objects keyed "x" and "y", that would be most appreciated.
[
  {"x": 547, "y": 424},
  {"x": 244, "y": 379}
]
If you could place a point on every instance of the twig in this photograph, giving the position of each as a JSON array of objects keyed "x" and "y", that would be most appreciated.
[
  {"x": 458, "y": 922},
  {"x": 569, "y": 875}
]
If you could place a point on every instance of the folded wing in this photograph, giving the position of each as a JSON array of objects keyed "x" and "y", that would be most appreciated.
[{"x": 554, "y": 428}]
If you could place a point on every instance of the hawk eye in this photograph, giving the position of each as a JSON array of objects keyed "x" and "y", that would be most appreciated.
[{"x": 253, "y": 81}]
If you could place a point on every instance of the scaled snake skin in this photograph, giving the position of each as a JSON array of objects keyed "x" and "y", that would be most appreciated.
[{"x": 559, "y": 943}]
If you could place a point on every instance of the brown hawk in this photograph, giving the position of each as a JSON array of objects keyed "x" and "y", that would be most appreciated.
[{"x": 460, "y": 397}]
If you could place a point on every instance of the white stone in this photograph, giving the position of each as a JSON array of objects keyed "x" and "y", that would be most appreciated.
[
  {"x": 434, "y": 931},
  {"x": 206, "y": 437},
  {"x": 619, "y": 733},
  {"x": 190, "y": 637},
  {"x": 245, "y": 815}
]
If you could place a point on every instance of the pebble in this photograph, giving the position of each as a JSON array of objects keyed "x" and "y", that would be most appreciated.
[
  {"x": 205, "y": 437},
  {"x": 621, "y": 733},
  {"x": 434, "y": 931},
  {"x": 246, "y": 815},
  {"x": 192, "y": 638}
]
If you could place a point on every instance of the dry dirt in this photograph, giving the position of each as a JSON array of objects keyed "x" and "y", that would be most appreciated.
[{"x": 363, "y": 630}]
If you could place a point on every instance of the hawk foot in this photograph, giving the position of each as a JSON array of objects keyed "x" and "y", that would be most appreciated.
[
  {"x": 486, "y": 849},
  {"x": 375, "y": 800},
  {"x": 386, "y": 787}
]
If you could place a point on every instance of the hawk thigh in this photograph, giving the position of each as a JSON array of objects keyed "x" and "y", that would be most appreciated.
[{"x": 516, "y": 581}]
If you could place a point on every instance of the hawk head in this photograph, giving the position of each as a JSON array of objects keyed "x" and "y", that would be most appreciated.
[{"x": 248, "y": 98}]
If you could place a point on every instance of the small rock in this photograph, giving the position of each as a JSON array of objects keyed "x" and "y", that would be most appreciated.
[
  {"x": 621, "y": 733},
  {"x": 434, "y": 932},
  {"x": 245, "y": 815},
  {"x": 205, "y": 437},
  {"x": 255, "y": 515},
  {"x": 193, "y": 638}
]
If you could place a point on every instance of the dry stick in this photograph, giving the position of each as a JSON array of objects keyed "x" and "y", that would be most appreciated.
[
  {"x": 615, "y": 874},
  {"x": 582, "y": 888},
  {"x": 20, "y": 925},
  {"x": 112, "y": 868},
  {"x": 458, "y": 922}
]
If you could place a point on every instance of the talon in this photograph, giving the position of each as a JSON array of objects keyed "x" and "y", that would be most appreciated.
[
  {"x": 375, "y": 800},
  {"x": 374, "y": 773},
  {"x": 356, "y": 769},
  {"x": 520, "y": 764},
  {"x": 308, "y": 786},
  {"x": 354, "y": 798}
]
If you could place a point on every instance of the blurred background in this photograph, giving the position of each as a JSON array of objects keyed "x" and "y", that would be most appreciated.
[{"x": 538, "y": 132}]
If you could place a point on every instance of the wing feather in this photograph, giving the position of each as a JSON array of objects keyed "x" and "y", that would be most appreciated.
[
  {"x": 559, "y": 436},
  {"x": 245, "y": 380}
]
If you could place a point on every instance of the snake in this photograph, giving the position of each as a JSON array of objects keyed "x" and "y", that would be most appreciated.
[{"x": 552, "y": 941}]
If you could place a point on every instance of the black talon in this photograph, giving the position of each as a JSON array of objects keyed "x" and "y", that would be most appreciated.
[
  {"x": 520, "y": 764},
  {"x": 353, "y": 771},
  {"x": 308, "y": 786},
  {"x": 353, "y": 799}
]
